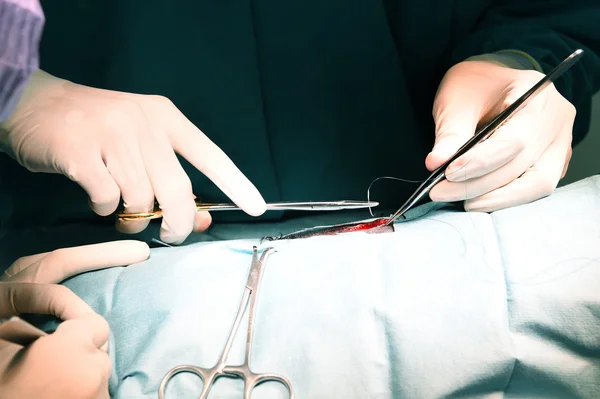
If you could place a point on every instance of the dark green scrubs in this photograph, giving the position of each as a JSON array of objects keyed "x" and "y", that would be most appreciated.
[{"x": 312, "y": 99}]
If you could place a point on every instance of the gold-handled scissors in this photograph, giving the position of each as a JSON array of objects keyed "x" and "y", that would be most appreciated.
[
  {"x": 485, "y": 132},
  {"x": 280, "y": 206}
]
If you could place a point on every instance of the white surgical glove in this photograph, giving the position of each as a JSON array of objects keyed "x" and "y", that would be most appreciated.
[
  {"x": 117, "y": 144},
  {"x": 522, "y": 161},
  {"x": 70, "y": 363}
]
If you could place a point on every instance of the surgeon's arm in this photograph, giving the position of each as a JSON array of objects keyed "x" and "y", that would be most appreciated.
[
  {"x": 21, "y": 24},
  {"x": 542, "y": 33}
]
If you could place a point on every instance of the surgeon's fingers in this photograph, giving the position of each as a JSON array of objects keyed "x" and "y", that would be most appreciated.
[
  {"x": 456, "y": 115},
  {"x": 447, "y": 191},
  {"x": 50, "y": 299},
  {"x": 537, "y": 182},
  {"x": 126, "y": 165},
  {"x": 567, "y": 161},
  {"x": 506, "y": 143},
  {"x": 63, "y": 263},
  {"x": 208, "y": 158},
  {"x": 89, "y": 171},
  {"x": 502, "y": 147},
  {"x": 172, "y": 187},
  {"x": 87, "y": 328},
  {"x": 202, "y": 221},
  {"x": 21, "y": 264}
]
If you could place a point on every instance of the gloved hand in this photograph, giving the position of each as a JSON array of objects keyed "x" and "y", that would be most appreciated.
[
  {"x": 117, "y": 144},
  {"x": 522, "y": 161},
  {"x": 72, "y": 362}
]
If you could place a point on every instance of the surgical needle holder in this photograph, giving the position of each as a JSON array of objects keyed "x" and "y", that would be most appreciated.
[
  {"x": 485, "y": 132},
  {"x": 280, "y": 206}
]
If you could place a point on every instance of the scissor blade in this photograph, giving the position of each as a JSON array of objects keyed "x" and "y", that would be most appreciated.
[
  {"x": 486, "y": 131},
  {"x": 296, "y": 205},
  {"x": 322, "y": 205}
]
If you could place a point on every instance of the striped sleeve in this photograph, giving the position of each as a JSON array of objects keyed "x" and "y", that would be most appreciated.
[{"x": 21, "y": 24}]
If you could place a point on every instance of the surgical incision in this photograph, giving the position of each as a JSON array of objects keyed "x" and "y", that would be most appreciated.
[{"x": 370, "y": 227}]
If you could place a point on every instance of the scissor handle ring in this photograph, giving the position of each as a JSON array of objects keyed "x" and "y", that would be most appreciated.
[
  {"x": 257, "y": 379},
  {"x": 201, "y": 373}
]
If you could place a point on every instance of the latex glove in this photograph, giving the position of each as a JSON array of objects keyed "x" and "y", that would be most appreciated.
[
  {"x": 522, "y": 161},
  {"x": 71, "y": 362},
  {"x": 115, "y": 145}
]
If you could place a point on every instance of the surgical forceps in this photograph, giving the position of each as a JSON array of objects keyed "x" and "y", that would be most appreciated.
[
  {"x": 221, "y": 369},
  {"x": 282, "y": 206},
  {"x": 485, "y": 132}
]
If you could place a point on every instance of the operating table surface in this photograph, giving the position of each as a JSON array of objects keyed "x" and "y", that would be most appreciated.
[{"x": 451, "y": 304}]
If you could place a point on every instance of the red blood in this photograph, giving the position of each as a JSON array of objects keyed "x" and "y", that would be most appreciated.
[
  {"x": 373, "y": 227},
  {"x": 374, "y": 224}
]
